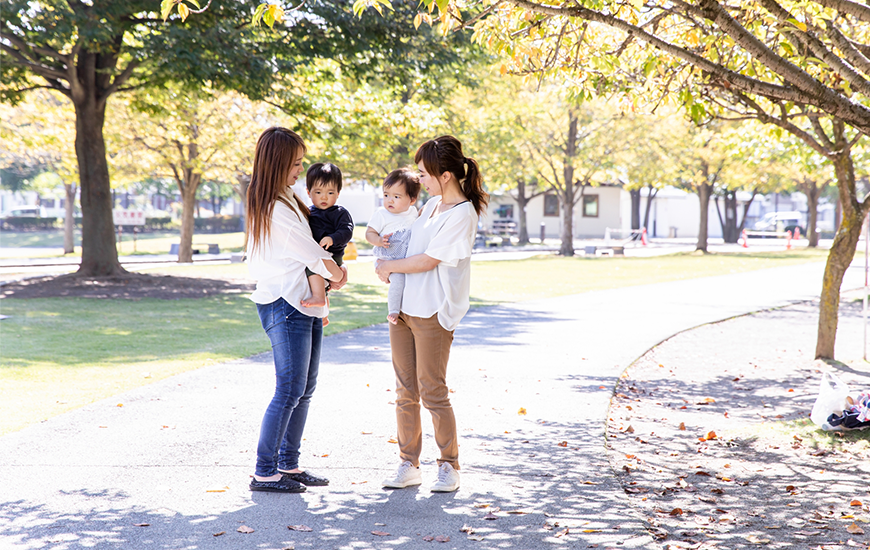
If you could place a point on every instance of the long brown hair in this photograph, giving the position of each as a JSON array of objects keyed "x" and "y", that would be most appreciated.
[
  {"x": 444, "y": 154},
  {"x": 277, "y": 150}
]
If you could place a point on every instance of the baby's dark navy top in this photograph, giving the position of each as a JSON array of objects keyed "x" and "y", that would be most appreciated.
[{"x": 334, "y": 222}]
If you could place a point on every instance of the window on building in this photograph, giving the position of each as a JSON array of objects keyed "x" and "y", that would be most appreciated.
[
  {"x": 590, "y": 206},
  {"x": 551, "y": 205}
]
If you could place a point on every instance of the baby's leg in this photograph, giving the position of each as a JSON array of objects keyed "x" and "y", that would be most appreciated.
[
  {"x": 394, "y": 296},
  {"x": 318, "y": 292}
]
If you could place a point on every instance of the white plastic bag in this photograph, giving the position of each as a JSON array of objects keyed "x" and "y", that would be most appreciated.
[{"x": 831, "y": 399}]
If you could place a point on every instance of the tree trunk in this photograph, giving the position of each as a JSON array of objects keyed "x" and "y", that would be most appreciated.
[
  {"x": 188, "y": 206},
  {"x": 651, "y": 194},
  {"x": 842, "y": 250},
  {"x": 567, "y": 247},
  {"x": 522, "y": 219},
  {"x": 242, "y": 189},
  {"x": 69, "y": 220},
  {"x": 813, "y": 192},
  {"x": 704, "y": 192},
  {"x": 635, "y": 208},
  {"x": 99, "y": 255}
]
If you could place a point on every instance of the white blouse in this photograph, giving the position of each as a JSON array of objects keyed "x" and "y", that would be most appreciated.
[
  {"x": 448, "y": 237},
  {"x": 278, "y": 265}
]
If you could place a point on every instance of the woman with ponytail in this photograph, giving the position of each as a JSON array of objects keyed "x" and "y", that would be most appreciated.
[
  {"x": 438, "y": 268},
  {"x": 279, "y": 248}
]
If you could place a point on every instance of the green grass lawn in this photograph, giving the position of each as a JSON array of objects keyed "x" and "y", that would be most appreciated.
[
  {"x": 59, "y": 354},
  {"x": 146, "y": 243}
]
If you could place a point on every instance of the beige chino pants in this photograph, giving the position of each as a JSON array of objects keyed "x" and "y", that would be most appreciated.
[{"x": 421, "y": 348}]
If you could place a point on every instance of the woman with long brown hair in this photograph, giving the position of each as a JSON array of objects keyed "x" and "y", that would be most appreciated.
[
  {"x": 438, "y": 268},
  {"x": 279, "y": 248}
]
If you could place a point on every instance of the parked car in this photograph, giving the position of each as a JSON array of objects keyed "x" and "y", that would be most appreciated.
[
  {"x": 22, "y": 212},
  {"x": 788, "y": 221}
]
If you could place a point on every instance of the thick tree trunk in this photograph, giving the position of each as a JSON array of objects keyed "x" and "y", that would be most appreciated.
[
  {"x": 813, "y": 193},
  {"x": 188, "y": 207},
  {"x": 99, "y": 256},
  {"x": 730, "y": 232},
  {"x": 69, "y": 221},
  {"x": 842, "y": 251},
  {"x": 704, "y": 192}
]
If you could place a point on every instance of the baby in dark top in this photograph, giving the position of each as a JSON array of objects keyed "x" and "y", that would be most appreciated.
[{"x": 331, "y": 225}]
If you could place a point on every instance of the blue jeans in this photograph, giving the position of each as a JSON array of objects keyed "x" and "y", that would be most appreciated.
[{"x": 296, "y": 340}]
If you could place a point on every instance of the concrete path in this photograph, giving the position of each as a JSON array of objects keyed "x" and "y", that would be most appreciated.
[{"x": 167, "y": 466}]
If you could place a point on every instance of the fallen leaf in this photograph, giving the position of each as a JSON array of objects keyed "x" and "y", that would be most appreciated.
[
  {"x": 366, "y": 433},
  {"x": 391, "y": 440},
  {"x": 324, "y": 456},
  {"x": 702, "y": 473},
  {"x": 490, "y": 516},
  {"x": 706, "y": 401},
  {"x": 676, "y": 512},
  {"x": 380, "y": 524},
  {"x": 141, "y": 524},
  {"x": 442, "y": 538},
  {"x": 855, "y": 529},
  {"x": 244, "y": 529},
  {"x": 119, "y": 405},
  {"x": 516, "y": 512},
  {"x": 381, "y": 533},
  {"x": 682, "y": 426},
  {"x": 477, "y": 538},
  {"x": 855, "y": 503},
  {"x": 562, "y": 533},
  {"x": 301, "y": 528},
  {"x": 629, "y": 430},
  {"x": 467, "y": 529},
  {"x": 757, "y": 540},
  {"x": 219, "y": 534},
  {"x": 808, "y": 533},
  {"x": 221, "y": 490},
  {"x": 521, "y": 412},
  {"x": 428, "y": 538},
  {"x": 563, "y": 444},
  {"x": 710, "y": 435}
]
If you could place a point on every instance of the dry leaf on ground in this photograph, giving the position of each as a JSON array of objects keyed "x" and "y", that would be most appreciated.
[
  {"x": 381, "y": 533},
  {"x": 219, "y": 534},
  {"x": 244, "y": 529},
  {"x": 855, "y": 529},
  {"x": 302, "y": 528}
]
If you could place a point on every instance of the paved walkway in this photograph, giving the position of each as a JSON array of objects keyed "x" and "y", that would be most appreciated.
[{"x": 177, "y": 455}]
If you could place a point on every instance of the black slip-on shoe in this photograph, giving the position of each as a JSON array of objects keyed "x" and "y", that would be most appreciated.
[
  {"x": 307, "y": 479},
  {"x": 283, "y": 485}
]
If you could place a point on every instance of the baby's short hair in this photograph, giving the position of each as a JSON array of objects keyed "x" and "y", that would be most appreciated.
[
  {"x": 323, "y": 173},
  {"x": 406, "y": 177}
]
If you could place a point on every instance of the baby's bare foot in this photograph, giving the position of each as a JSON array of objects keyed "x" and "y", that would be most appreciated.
[
  {"x": 314, "y": 301},
  {"x": 393, "y": 318}
]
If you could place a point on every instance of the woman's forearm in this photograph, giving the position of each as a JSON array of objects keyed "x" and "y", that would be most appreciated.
[{"x": 417, "y": 263}]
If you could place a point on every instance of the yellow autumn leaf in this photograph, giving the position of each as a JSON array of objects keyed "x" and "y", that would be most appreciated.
[{"x": 521, "y": 412}]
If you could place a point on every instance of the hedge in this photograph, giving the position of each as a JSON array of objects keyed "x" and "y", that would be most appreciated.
[{"x": 15, "y": 223}]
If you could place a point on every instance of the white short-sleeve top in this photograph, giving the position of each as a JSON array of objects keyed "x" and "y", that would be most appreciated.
[
  {"x": 278, "y": 264},
  {"x": 448, "y": 237},
  {"x": 385, "y": 222}
]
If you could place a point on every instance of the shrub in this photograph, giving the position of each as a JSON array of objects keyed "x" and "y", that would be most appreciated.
[
  {"x": 29, "y": 223},
  {"x": 217, "y": 224}
]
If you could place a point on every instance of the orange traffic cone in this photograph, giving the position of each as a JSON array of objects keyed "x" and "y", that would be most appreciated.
[
  {"x": 643, "y": 237},
  {"x": 797, "y": 233},
  {"x": 788, "y": 243},
  {"x": 745, "y": 239}
]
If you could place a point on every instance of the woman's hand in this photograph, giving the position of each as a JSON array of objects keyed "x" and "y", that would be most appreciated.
[
  {"x": 336, "y": 285},
  {"x": 382, "y": 269}
]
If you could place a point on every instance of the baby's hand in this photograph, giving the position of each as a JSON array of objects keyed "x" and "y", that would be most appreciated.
[
  {"x": 326, "y": 242},
  {"x": 385, "y": 240}
]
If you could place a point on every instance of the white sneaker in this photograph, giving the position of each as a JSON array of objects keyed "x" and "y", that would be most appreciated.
[
  {"x": 406, "y": 476},
  {"x": 447, "y": 480}
]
